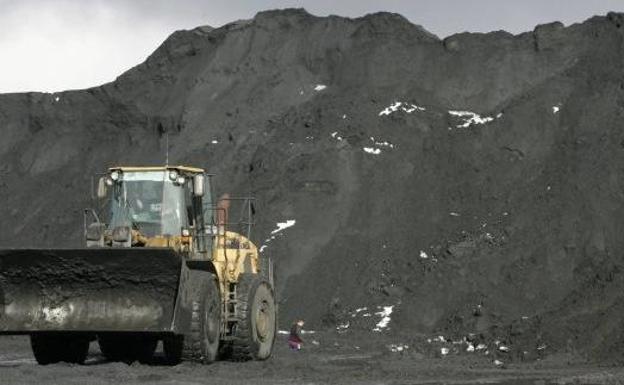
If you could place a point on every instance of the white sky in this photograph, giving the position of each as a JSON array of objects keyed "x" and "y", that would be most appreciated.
[{"x": 54, "y": 45}]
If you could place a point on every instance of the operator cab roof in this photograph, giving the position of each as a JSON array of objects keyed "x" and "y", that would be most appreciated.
[{"x": 184, "y": 169}]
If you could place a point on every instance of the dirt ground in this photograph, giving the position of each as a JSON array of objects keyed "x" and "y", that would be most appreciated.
[{"x": 326, "y": 359}]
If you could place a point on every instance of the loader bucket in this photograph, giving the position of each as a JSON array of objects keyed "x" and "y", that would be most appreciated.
[{"x": 95, "y": 289}]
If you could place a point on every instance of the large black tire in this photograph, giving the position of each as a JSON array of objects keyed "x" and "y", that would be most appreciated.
[
  {"x": 254, "y": 335},
  {"x": 201, "y": 344},
  {"x": 111, "y": 349},
  {"x": 128, "y": 347},
  {"x": 145, "y": 349},
  {"x": 53, "y": 348},
  {"x": 173, "y": 347}
]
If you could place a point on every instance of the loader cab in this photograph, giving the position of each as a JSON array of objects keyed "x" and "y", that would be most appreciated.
[{"x": 154, "y": 207}]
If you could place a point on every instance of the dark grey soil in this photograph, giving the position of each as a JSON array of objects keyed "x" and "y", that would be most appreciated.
[
  {"x": 335, "y": 360},
  {"x": 499, "y": 225}
]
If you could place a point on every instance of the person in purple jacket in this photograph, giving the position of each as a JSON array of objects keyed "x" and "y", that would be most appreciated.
[{"x": 295, "y": 342}]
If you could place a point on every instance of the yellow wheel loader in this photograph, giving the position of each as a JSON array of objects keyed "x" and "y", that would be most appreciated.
[{"x": 161, "y": 263}]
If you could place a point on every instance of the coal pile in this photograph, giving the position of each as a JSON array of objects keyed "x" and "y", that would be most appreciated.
[{"x": 469, "y": 188}]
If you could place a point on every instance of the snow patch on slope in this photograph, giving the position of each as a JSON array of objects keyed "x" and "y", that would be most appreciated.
[
  {"x": 398, "y": 348},
  {"x": 280, "y": 227},
  {"x": 371, "y": 150},
  {"x": 385, "y": 318},
  {"x": 284, "y": 225},
  {"x": 469, "y": 118},
  {"x": 377, "y": 143},
  {"x": 336, "y": 136},
  {"x": 401, "y": 106}
]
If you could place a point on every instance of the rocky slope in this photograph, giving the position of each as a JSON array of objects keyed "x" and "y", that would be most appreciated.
[{"x": 473, "y": 183}]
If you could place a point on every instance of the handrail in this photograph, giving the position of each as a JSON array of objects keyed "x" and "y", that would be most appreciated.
[{"x": 86, "y": 212}]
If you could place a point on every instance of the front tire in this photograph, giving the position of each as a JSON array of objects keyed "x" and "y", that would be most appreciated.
[
  {"x": 53, "y": 348},
  {"x": 255, "y": 332},
  {"x": 202, "y": 342},
  {"x": 173, "y": 347},
  {"x": 128, "y": 347}
]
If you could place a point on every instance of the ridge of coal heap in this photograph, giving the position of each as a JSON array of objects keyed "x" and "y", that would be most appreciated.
[{"x": 467, "y": 185}]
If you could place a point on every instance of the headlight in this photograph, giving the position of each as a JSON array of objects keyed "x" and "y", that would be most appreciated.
[
  {"x": 109, "y": 181},
  {"x": 180, "y": 180},
  {"x": 173, "y": 175},
  {"x": 115, "y": 175},
  {"x": 122, "y": 234}
]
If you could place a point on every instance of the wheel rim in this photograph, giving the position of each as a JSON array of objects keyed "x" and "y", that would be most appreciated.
[
  {"x": 212, "y": 322},
  {"x": 263, "y": 320}
]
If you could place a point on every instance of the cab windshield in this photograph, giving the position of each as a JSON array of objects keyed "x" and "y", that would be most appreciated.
[{"x": 150, "y": 202}]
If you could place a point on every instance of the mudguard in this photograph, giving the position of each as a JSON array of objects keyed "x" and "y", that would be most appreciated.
[{"x": 90, "y": 290}]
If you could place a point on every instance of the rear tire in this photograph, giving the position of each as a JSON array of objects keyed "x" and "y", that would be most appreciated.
[
  {"x": 128, "y": 347},
  {"x": 255, "y": 333},
  {"x": 144, "y": 349},
  {"x": 202, "y": 342},
  {"x": 173, "y": 347},
  {"x": 111, "y": 348},
  {"x": 53, "y": 348}
]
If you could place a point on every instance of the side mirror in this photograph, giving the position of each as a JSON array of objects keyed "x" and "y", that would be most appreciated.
[
  {"x": 198, "y": 185},
  {"x": 101, "y": 190}
]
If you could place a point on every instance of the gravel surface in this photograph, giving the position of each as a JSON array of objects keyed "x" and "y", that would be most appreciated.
[{"x": 315, "y": 364}]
